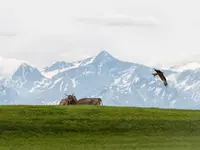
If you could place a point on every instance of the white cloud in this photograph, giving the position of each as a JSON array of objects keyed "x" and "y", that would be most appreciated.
[
  {"x": 150, "y": 32},
  {"x": 121, "y": 20},
  {"x": 7, "y": 34}
]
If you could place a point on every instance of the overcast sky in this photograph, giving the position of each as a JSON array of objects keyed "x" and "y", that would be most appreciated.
[{"x": 158, "y": 33}]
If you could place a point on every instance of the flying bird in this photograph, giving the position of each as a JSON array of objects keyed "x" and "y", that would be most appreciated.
[{"x": 161, "y": 75}]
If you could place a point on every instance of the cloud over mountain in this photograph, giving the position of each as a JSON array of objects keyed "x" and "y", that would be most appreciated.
[{"x": 121, "y": 21}]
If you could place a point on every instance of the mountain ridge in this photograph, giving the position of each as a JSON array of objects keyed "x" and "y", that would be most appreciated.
[{"x": 118, "y": 83}]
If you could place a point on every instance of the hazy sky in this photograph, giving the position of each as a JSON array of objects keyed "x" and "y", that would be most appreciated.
[{"x": 153, "y": 32}]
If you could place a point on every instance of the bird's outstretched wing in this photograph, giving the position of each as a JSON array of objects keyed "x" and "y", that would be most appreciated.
[{"x": 158, "y": 71}]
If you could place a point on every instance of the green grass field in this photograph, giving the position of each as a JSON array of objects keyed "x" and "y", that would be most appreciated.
[{"x": 98, "y": 128}]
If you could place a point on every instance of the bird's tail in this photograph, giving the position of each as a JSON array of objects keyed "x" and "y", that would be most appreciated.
[{"x": 165, "y": 83}]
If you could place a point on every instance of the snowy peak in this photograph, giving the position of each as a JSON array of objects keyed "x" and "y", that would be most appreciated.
[
  {"x": 24, "y": 68},
  {"x": 57, "y": 65},
  {"x": 186, "y": 66},
  {"x": 27, "y": 72},
  {"x": 25, "y": 65},
  {"x": 104, "y": 55},
  {"x": 62, "y": 66}
]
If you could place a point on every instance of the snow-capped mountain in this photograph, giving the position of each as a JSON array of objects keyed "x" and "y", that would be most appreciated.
[
  {"x": 27, "y": 73},
  {"x": 186, "y": 66},
  {"x": 118, "y": 83},
  {"x": 55, "y": 68}
]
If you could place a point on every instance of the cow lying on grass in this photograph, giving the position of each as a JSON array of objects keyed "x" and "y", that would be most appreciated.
[{"x": 72, "y": 100}]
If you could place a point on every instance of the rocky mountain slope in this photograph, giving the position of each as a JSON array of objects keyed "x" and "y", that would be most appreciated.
[{"x": 118, "y": 83}]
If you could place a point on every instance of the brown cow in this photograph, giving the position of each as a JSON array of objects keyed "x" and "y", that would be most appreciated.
[
  {"x": 161, "y": 75},
  {"x": 72, "y": 100},
  {"x": 64, "y": 102},
  {"x": 90, "y": 101}
]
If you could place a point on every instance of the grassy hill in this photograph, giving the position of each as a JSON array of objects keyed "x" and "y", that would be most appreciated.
[{"x": 97, "y": 127}]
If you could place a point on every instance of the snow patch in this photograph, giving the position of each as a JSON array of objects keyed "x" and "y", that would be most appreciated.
[
  {"x": 61, "y": 85},
  {"x": 188, "y": 66},
  {"x": 73, "y": 82},
  {"x": 55, "y": 82},
  {"x": 88, "y": 62}
]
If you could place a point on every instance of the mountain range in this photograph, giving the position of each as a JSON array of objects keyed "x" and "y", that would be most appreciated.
[{"x": 116, "y": 82}]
